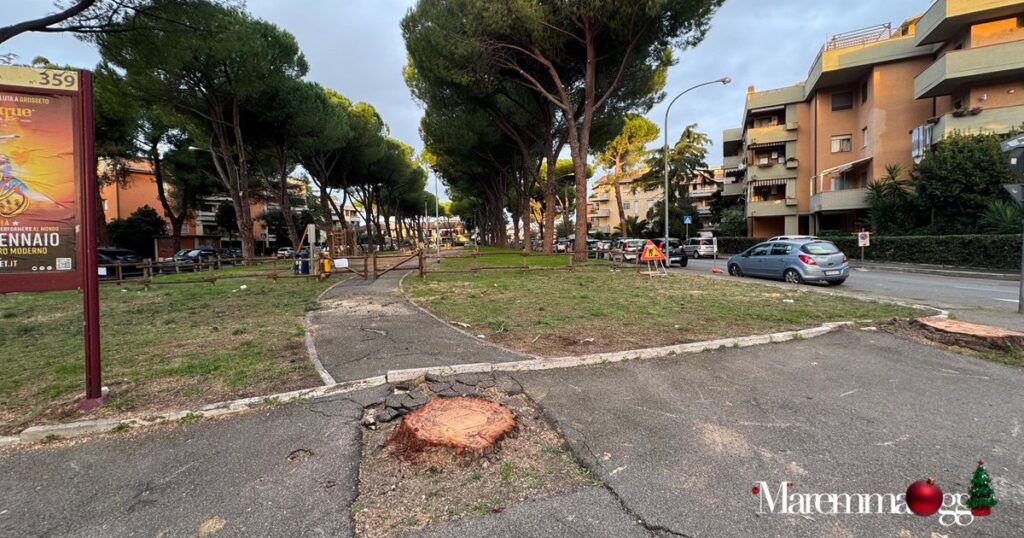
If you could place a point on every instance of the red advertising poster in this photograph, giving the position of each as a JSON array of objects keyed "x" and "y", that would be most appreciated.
[{"x": 38, "y": 187}]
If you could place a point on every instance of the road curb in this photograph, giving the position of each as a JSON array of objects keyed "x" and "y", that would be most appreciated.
[
  {"x": 83, "y": 428},
  {"x": 326, "y": 376}
]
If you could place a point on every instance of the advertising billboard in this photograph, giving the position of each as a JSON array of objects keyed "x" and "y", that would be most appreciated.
[{"x": 44, "y": 173}]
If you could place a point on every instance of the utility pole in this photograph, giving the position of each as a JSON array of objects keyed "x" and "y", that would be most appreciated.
[{"x": 723, "y": 80}]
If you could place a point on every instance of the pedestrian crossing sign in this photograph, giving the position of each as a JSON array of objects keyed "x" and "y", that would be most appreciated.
[{"x": 652, "y": 253}]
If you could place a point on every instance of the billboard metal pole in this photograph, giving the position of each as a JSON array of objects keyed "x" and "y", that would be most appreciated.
[{"x": 90, "y": 277}]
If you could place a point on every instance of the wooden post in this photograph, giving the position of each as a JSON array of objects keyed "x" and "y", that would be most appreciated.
[
  {"x": 569, "y": 266},
  {"x": 374, "y": 256},
  {"x": 423, "y": 265},
  {"x": 120, "y": 274}
]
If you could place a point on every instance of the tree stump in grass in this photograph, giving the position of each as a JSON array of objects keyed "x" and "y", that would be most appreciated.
[{"x": 470, "y": 426}]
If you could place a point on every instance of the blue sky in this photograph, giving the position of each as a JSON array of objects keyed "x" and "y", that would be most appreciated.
[{"x": 355, "y": 47}]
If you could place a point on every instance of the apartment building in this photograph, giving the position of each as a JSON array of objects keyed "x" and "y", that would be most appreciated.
[
  {"x": 138, "y": 189},
  {"x": 805, "y": 154},
  {"x": 603, "y": 211}
]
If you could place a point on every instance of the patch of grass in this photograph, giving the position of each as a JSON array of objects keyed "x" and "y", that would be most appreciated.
[
  {"x": 121, "y": 428},
  {"x": 51, "y": 438},
  {"x": 486, "y": 507},
  {"x": 1009, "y": 358},
  {"x": 273, "y": 401},
  {"x": 191, "y": 418},
  {"x": 556, "y": 313},
  {"x": 170, "y": 347}
]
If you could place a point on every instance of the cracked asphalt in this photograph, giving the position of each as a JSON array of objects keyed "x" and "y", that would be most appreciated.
[
  {"x": 678, "y": 442},
  {"x": 682, "y": 440},
  {"x": 367, "y": 328},
  {"x": 291, "y": 470}
]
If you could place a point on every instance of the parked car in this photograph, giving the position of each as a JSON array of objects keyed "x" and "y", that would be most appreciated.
[
  {"x": 796, "y": 261},
  {"x": 602, "y": 248},
  {"x": 130, "y": 261},
  {"x": 285, "y": 252},
  {"x": 675, "y": 252},
  {"x": 791, "y": 237},
  {"x": 698, "y": 247},
  {"x": 562, "y": 245},
  {"x": 201, "y": 255},
  {"x": 632, "y": 248}
]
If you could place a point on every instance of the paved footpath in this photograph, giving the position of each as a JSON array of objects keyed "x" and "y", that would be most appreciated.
[
  {"x": 367, "y": 328},
  {"x": 287, "y": 471}
]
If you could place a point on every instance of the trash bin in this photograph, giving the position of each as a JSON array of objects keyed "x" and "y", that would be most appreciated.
[
  {"x": 296, "y": 266},
  {"x": 305, "y": 264}
]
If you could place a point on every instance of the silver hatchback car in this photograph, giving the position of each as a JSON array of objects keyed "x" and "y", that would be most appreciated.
[{"x": 795, "y": 261}]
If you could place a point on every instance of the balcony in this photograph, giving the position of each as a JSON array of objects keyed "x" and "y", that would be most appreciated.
[
  {"x": 770, "y": 171},
  {"x": 773, "y": 208},
  {"x": 732, "y": 162},
  {"x": 960, "y": 67},
  {"x": 703, "y": 193},
  {"x": 946, "y": 18},
  {"x": 843, "y": 200},
  {"x": 733, "y": 189},
  {"x": 770, "y": 135},
  {"x": 732, "y": 141},
  {"x": 600, "y": 197},
  {"x": 990, "y": 120}
]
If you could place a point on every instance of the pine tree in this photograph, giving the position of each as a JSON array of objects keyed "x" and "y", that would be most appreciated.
[{"x": 982, "y": 495}]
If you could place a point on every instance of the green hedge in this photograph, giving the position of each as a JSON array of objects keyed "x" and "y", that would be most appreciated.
[{"x": 982, "y": 251}]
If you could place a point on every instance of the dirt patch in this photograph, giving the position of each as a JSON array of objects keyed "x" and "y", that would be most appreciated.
[
  {"x": 397, "y": 495},
  {"x": 363, "y": 306}
]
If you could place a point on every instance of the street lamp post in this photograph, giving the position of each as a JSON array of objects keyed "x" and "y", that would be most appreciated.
[{"x": 723, "y": 80}]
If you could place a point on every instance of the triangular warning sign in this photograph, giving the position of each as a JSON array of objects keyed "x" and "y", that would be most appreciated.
[{"x": 652, "y": 253}]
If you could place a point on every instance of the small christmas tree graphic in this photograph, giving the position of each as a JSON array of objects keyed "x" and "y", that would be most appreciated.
[{"x": 982, "y": 495}]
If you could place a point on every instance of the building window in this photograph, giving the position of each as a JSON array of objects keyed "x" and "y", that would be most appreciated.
[
  {"x": 864, "y": 137},
  {"x": 625, "y": 205},
  {"x": 864, "y": 92},
  {"x": 841, "y": 144},
  {"x": 842, "y": 101}
]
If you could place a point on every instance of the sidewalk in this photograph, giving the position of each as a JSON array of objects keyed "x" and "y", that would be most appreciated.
[{"x": 367, "y": 328}]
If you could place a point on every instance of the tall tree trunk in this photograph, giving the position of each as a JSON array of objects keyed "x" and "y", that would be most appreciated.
[
  {"x": 618, "y": 198},
  {"x": 285, "y": 199}
]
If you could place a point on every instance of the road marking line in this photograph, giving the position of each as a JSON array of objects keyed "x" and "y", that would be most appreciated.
[{"x": 1006, "y": 300}]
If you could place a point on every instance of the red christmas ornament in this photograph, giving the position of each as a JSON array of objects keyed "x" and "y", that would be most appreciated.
[
  {"x": 924, "y": 498},
  {"x": 755, "y": 490}
]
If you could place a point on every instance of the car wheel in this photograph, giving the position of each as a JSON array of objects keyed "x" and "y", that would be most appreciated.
[
  {"x": 735, "y": 270},
  {"x": 793, "y": 276},
  {"x": 836, "y": 282},
  {"x": 696, "y": 255},
  {"x": 683, "y": 261}
]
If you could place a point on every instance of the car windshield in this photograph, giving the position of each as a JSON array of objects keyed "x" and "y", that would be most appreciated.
[
  {"x": 182, "y": 252},
  {"x": 194, "y": 252},
  {"x": 634, "y": 242},
  {"x": 819, "y": 248}
]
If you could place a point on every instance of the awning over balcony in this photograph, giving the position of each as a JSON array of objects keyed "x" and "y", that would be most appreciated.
[
  {"x": 843, "y": 167},
  {"x": 837, "y": 170},
  {"x": 768, "y": 182},
  {"x": 766, "y": 145}
]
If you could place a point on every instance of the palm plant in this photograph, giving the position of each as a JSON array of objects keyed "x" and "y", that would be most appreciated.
[
  {"x": 1002, "y": 217},
  {"x": 890, "y": 199}
]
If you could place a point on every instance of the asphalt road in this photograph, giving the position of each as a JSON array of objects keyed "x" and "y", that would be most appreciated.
[
  {"x": 681, "y": 441},
  {"x": 975, "y": 299}
]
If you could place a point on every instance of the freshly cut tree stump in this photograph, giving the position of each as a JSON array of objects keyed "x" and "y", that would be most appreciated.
[
  {"x": 969, "y": 335},
  {"x": 468, "y": 425}
]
